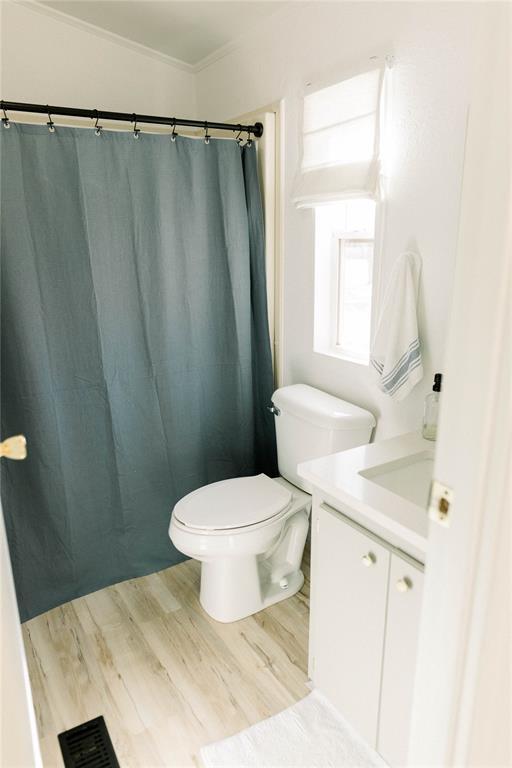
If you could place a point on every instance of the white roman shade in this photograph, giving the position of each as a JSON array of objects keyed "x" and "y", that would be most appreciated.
[{"x": 340, "y": 157}]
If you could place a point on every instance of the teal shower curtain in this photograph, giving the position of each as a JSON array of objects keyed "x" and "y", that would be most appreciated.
[{"x": 135, "y": 348}]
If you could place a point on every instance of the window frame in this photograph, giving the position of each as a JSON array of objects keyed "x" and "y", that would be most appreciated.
[
  {"x": 325, "y": 341},
  {"x": 340, "y": 241}
]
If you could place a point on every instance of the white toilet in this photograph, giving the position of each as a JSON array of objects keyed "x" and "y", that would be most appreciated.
[{"x": 249, "y": 532}]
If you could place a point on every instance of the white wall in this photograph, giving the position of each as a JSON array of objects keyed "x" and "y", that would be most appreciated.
[
  {"x": 46, "y": 60},
  {"x": 316, "y": 43}
]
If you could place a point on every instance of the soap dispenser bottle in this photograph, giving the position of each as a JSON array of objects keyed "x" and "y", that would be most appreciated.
[{"x": 431, "y": 411}]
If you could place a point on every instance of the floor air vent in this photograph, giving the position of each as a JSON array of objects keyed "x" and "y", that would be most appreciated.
[{"x": 88, "y": 746}]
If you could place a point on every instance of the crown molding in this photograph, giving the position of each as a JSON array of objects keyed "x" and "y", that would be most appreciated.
[
  {"x": 216, "y": 55},
  {"x": 144, "y": 50},
  {"x": 281, "y": 14},
  {"x": 112, "y": 37}
]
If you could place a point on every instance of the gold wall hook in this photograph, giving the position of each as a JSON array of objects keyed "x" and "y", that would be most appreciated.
[{"x": 14, "y": 447}]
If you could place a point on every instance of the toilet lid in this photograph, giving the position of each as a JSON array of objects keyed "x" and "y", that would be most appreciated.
[{"x": 232, "y": 503}]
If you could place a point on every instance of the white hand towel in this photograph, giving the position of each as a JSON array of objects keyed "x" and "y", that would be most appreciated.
[{"x": 396, "y": 349}]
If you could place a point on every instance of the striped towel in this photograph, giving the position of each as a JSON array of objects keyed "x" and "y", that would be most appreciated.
[{"x": 396, "y": 349}]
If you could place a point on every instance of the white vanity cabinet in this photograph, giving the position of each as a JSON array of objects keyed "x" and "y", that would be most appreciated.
[
  {"x": 399, "y": 665},
  {"x": 365, "y": 606},
  {"x": 350, "y": 582}
]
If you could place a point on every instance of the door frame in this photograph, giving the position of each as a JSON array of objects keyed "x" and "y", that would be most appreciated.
[
  {"x": 462, "y": 704},
  {"x": 19, "y": 747},
  {"x": 270, "y": 159}
]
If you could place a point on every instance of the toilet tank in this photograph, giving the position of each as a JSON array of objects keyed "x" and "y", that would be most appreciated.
[{"x": 310, "y": 423}]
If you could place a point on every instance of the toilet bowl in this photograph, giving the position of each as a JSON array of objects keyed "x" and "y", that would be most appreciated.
[
  {"x": 249, "y": 532},
  {"x": 253, "y": 557}
]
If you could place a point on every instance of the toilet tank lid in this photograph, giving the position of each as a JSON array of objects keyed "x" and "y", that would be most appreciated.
[{"x": 321, "y": 409}]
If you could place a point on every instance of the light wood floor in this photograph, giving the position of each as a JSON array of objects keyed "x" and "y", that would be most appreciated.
[{"x": 167, "y": 678}]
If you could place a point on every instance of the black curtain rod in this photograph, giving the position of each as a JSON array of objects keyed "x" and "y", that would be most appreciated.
[{"x": 101, "y": 114}]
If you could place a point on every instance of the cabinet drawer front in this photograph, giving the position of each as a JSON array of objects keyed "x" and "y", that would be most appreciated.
[
  {"x": 400, "y": 648},
  {"x": 351, "y": 575}
]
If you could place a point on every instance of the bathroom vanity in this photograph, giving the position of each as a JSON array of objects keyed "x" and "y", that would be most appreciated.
[{"x": 369, "y": 539}]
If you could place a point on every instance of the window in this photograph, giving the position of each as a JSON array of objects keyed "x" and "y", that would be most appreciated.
[
  {"x": 340, "y": 122},
  {"x": 339, "y": 178},
  {"x": 340, "y": 141},
  {"x": 344, "y": 250}
]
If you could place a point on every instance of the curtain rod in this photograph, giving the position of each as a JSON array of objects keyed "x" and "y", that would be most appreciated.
[{"x": 101, "y": 114}]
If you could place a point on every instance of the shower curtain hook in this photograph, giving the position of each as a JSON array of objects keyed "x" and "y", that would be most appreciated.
[
  {"x": 50, "y": 123},
  {"x": 173, "y": 134},
  {"x": 237, "y": 138},
  {"x": 136, "y": 131},
  {"x": 249, "y": 140},
  {"x": 206, "y": 136},
  {"x": 5, "y": 120},
  {"x": 97, "y": 128}
]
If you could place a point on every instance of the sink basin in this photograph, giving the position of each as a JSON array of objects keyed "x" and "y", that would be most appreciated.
[
  {"x": 383, "y": 486},
  {"x": 408, "y": 477}
]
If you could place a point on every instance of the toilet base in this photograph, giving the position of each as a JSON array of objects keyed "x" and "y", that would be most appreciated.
[{"x": 236, "y": 588}]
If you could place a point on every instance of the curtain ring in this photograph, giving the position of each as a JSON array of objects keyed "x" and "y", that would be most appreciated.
[
  {"x": 173, "y": 134},
  {"x": 50, "y": 123},
  {"x": 5, "y": 120},
  {"x": 136, "y": 131},
  {"x": 97, "y": 128},
  {"x": 206, "y": 136}
]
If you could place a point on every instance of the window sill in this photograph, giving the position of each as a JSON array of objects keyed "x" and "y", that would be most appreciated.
[{"x": 345, "y": 356}]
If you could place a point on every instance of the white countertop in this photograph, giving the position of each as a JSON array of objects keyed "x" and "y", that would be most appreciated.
[{"x": 339, "y": 477}]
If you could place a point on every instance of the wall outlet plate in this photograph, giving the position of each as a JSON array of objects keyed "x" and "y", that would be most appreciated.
[{"x": 440, "y": 503}]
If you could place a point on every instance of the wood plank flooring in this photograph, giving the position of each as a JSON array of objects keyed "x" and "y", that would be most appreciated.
[{"x": 167, "y": 678}]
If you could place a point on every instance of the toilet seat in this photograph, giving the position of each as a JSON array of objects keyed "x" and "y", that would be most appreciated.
[{"x": 232, "y": 504}]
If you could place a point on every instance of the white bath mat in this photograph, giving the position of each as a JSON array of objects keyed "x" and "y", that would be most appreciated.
[{"x": 309, "y": 734}]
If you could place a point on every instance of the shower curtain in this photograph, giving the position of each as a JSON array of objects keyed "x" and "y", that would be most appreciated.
[{"x": 135, "y": 347}]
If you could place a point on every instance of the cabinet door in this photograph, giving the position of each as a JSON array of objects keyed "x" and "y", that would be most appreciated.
[
  {"x": 351, "y": 575},
  {"x": 404, "y": 606}
]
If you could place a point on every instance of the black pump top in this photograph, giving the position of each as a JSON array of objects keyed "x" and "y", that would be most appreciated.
[{"x": 437, "y": 382}]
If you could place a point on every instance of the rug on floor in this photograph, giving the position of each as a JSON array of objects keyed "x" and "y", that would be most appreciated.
[{"x": 309, "y": 734}]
